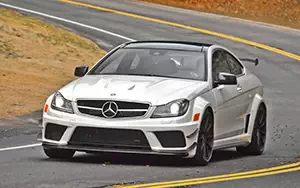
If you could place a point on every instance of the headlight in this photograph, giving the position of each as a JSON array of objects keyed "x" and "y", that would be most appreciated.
[
  {"x": 61, "y": 104},
  {"x": 172, "y": 109}
]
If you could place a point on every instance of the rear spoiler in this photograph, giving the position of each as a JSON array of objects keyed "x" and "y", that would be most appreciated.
[{"x": 255, "y": 61}]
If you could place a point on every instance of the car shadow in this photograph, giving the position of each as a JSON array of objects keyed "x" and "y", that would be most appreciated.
[{"x": 145, "y": 160}]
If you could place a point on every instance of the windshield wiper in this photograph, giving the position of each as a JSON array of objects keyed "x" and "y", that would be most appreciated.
[
  {"x": 137, "y": 74},
  {"x": 108, "y": 74},
  {"x": 127, "y": 74},
  {"x": 155, "y": 75}
]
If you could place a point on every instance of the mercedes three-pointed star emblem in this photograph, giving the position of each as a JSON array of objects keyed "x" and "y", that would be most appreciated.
[{"x": 109, "y": 109}]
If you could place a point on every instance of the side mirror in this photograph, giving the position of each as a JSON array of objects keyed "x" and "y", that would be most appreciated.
[
  {"x": 226, "y": 79},
  {"x": 81, "y": 71}
]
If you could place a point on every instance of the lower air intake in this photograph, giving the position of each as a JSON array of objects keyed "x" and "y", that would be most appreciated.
[
  {"x": 171, "y": 139},
  {"x": 54, "y": 131},
  {"x": 110, "y": 138}
]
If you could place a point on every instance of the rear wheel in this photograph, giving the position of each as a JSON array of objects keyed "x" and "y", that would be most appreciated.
[
  {"x": 205, "y": 140},
  {"x": 259, "y": 134},
  {"x": 59, "y": 153}
]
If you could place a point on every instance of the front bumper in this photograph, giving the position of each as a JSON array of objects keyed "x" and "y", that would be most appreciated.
[{"x": 149, "y": 127}]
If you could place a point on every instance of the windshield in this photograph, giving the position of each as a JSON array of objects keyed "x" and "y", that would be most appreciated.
[{"x": 154, "y": 62}]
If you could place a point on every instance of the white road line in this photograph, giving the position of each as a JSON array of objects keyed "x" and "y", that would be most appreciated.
[
  {"x": 21, "y": 147},
  {"x": 65, "y": 20}
]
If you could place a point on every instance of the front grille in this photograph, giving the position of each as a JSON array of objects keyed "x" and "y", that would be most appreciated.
[
  {"x": 110, "y": 138},
  {"x": 125, "y": 109},
  {"x": 54, "y": 131},
  {"x": 171, "y": 139}
]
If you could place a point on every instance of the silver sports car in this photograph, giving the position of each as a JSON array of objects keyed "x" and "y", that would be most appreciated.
[{"x": 158, "y": 97}]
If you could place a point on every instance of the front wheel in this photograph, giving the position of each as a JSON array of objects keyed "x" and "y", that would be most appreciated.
[
  {"x": 205, "y": 140},
  {"x": 59, "y": 153},
  {"x": 259, "y": 134}
]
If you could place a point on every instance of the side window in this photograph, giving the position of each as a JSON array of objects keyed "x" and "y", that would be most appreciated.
[
  {"x": 235, "y": 67},
  {"x": 219, "y": 64}
]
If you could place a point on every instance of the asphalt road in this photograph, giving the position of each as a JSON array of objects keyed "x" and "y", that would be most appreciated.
[{"x": 280, "y": 75}]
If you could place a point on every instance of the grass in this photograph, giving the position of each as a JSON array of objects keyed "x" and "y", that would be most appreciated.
[{"x": 37, "y": 59}]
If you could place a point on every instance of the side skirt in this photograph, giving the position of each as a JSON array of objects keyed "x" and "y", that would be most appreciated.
[{"x": 239, "y": 140}]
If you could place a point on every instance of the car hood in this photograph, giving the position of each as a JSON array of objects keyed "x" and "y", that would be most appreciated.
[{"x": 156, "y": 90}]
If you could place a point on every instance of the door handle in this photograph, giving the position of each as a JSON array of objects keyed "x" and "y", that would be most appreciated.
[{"x": 239, "y": 88}]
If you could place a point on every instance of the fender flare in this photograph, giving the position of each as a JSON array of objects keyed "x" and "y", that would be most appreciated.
[
  {"x": 257, "y": 101},
  {"x": 200, "y": 106}
]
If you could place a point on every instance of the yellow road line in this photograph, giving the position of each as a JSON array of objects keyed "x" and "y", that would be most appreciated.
[
  {"x": 231, "y": 178},
  {"x": 205, "y": 31},
  {"x": 265, "y": 170}
]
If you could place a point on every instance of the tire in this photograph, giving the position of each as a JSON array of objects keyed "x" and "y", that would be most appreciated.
[
  {"x": 205, "y": 140},
  {"x": 59, "y": 153},
  {"x": 259, "y": 134}
]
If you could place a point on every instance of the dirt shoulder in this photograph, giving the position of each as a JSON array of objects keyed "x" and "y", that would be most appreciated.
[
  {"x": 36, "y": 59},
  {"x": 279, "y": 12}
]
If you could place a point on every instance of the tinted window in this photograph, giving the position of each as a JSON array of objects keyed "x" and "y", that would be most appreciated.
[
  {"x": 235, "y": 67},
  {"x": 219, "y": 64},
  {"x": 155, "y": 62}
]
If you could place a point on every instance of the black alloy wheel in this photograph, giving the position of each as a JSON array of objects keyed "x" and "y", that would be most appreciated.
[
  {"x": 205, "y": 140},
  {"x": 259, "y": 134}
]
